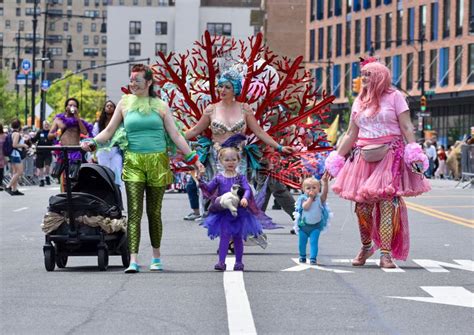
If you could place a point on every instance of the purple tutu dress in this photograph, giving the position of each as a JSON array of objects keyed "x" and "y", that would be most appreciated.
[{"x": 220, "y": 222}]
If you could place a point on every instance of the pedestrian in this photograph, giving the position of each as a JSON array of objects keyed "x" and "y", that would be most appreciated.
[
  {"x": 441, "y": 171},
  {"x": 430, "y": 151},
  {"x": 16, "y": 156},
  {"x": 311, "y": 216},
  {"x": 236, "y": 221},
  {"x": 43, "y": 158},
  {"x": 381, "y": 168},
  {"x": 110, "y": 157},
  {"x": 3, "y": 162},
  {"x": 193, "y": 196},
  {"x": 147, "y": 125}
]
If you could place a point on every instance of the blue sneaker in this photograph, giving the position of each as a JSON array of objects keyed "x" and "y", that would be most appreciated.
[
  {"x": 133, "y": 268},
  {"x": 302, "y": 260},
  {"x": 156, "y": 265}
]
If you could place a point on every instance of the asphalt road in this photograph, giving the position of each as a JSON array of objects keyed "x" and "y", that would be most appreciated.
[{"x": 430, "y": 293}]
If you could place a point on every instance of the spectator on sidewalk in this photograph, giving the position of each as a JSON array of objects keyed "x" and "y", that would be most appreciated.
[
  {"x": 2, "y": 157},
  {"x": 430, "y": 151},
  {"x": 43, "y": 158},
  {"x": 19, "y": 147},
  {"x": 193, "y": 196},
  {"x": 441, "y": 171}
]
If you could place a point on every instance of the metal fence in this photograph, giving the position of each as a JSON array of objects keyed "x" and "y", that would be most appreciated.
[{"x": 467, "y": 163}]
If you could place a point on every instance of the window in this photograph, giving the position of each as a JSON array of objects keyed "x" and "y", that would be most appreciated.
[
  {"x": 446, "y": 18},
  {"x": 411, "y": 25},
  {"x": 86, "y": 2},
  {"x": 336, "y": 80},
  {"x": 348, "y": 37},
  {"x": 55, "y": 51},
  {"x": 312, "y": 42},
  {"x": 339, "y": 40},
  {"x": 224, "y": 29},
  {"x": 443, "y": 67},
  {"x": 93, "y": 63},
  {"x": 92, "y": 13},
  {"x": 320, "y": 43},
  {"x": 422, "y": 22},
  {"x": 388, "y": 62},
  {"x": 457, "y": 64},
  {"x": 355, "y": 69},
  {"x": 95, "y": 77},
  {"x": 320, "y": 10},
  {"x": 85, "y": 76},
  {"x": 103, "y": 39},
  {"x": 470, "y": 63},
  {"x": 368, "y": 34},
  {"x": 65, "y": 64},
  {"x": 357, "y": 37},
  {"x": 91, "y": 52},
  {"x": 471, "y": 16},
  {"x": 86, "y": 39},
  {"x": 96, "y": 39},
  {"x": 434, "y": 21},
  {"x": 103, "y": 52},
  {"x": 409, "y": 72},
  {"x": 421, "y": 65},
  {"x": 51, "y": 64},
  {"x": 135, "y": 27},
  {"x": 348, "y": 6},
  {"x": 21, "y": 25},
  {"x": 30, "y": 11},
  {"x": 356, "y": 5},
  {"x": 338, "y": 7},
  {"x": 399, "y": 27},
  {"x": 367, "y": 4},
  {"x": 433, "y": 66},
  {"x": 161, "y": 28},
  {"x": 388, "y": 30},
  {"x": 93, "y": 27},
  {"x": 459, "y": 16},
  {"x": 148, "y": 2},
  {"x": 330, "y": 8},
  {"x": 161, "y": 47},
  {"x": 397, "y": 70},
  {"x": 134, "y": 49},
  {"x": 79, "y": 27},
  {"x": 312, "y": 10},
  {"x": 52, "y": 26},
  {"x": 347, "y": 79},
  {"x": 135, "y": 2},
  {"x": 378, "y": 31},
  {"x": 66, "y": 26},
  {"x": 103, "y": 77},
  {"x": 18, "y": 12},
  {"x": 329, "y": 43}
]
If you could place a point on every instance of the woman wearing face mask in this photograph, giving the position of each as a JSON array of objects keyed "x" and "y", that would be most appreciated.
[
  {"x": 147, "y": 122},
  {"x": 110, "y": 157},
  {"x": 385, "y": 164}
]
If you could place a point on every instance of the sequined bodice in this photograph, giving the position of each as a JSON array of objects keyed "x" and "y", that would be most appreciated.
[{"x": 220, "y": 128}]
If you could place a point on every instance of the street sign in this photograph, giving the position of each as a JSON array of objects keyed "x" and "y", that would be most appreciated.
[
  {"x": 45, "y": 84},
  {"x": 430, "y": 93},
  {"x": 26, "y": 66},
  {"x": 425, "y": 114}
]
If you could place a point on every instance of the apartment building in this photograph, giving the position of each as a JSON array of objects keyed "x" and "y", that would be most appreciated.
[
  {"x": 137, "y": 33},
  {"x": 75, "y": 35},
  {"x": 433, "y": 39}
]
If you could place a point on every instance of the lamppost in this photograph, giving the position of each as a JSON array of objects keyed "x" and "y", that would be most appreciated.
[{"x": 33, "y": 79}]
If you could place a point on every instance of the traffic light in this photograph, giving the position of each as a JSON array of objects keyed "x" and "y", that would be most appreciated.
[
  {"x": 356, "y": 85},
  {"x": 423, "y": 103}
]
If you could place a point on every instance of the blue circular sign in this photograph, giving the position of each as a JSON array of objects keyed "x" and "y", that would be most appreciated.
[
  {"x": 45, "y": 84},
  {"x": 26, "y": 65}
]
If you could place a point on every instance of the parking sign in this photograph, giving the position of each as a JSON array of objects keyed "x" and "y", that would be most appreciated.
[{"x": 26, "y": 66}]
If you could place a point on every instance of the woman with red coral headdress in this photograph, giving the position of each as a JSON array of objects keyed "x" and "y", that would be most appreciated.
[{"x": 384, "y": 165}]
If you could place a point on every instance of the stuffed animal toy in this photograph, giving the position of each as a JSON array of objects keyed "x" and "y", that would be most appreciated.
[{"x": 231, "y": 200}]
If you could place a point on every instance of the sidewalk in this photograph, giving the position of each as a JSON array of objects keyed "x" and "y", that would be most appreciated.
[{"x": 448, "y": 184}]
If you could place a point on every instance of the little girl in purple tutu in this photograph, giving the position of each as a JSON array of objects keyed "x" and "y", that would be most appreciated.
[{"x": 224, "y": 223}]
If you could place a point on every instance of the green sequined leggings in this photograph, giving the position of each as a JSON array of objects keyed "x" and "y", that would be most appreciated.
[{"x": 154, "y": 200}]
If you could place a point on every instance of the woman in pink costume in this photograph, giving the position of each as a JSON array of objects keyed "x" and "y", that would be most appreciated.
[{"x": 385, "y": 164}]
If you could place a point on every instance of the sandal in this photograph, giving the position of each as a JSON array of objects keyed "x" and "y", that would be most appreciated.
[{"x": 133, "y": 268}]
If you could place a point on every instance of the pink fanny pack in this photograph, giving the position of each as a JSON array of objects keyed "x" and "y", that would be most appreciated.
[{"x": 374, "y": 152}]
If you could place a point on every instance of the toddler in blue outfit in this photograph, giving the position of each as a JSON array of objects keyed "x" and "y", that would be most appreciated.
[{"x": 311, "y": 215}]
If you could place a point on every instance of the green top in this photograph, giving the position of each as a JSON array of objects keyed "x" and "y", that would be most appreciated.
[{"x": 144, "y": 125}]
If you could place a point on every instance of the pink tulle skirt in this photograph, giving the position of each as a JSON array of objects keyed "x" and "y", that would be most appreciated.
[{"x": 365, "y": 182}]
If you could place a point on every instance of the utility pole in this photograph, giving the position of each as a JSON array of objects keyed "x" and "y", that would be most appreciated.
[
  {"x": 33, "y": 80},
  {"x": 17, "y": 72},
  {"x": 422, "y": 79},
  {"x": 43, "y": 67}
]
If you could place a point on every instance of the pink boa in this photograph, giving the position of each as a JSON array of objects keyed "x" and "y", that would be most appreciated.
[
  {"x": 414, "y": 154},
  {"x": 334, "y": 163}
]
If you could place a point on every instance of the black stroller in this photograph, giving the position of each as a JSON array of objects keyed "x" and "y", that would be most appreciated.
[{"x": 90, "y": 202}]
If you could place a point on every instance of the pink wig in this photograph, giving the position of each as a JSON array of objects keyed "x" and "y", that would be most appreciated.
[{"x": 379, "y": 83}]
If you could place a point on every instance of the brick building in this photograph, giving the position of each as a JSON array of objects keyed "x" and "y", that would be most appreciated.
[{"x": 434, "y": 39}]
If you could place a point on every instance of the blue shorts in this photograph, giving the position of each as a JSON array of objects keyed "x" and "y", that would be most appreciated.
[{"x": 15, "y": 160}]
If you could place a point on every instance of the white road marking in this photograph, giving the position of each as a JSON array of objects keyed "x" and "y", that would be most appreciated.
[
  {"x": 20, "y": 209},
  {"x": 306, "y": 266},
  {"x": 437, "y": 266},
  {"x": 446, "y": 295},
  {"x": 239, "y": 314},
  {"x": 373, "y": 261}
]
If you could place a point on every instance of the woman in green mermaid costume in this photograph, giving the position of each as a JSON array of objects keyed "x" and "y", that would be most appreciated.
[{"x": 148, "y": 123}]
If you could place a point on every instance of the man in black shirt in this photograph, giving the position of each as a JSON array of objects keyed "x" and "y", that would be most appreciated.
[{"x": 43, "y": 158}]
